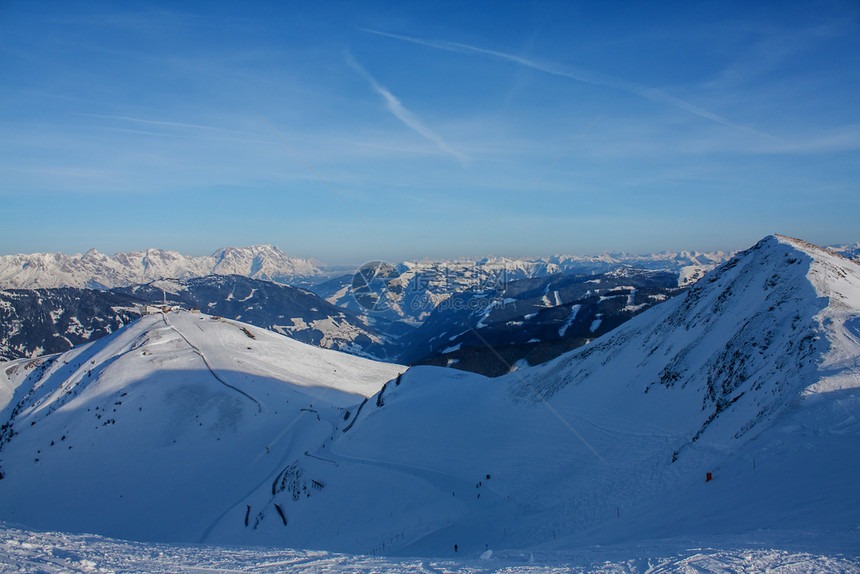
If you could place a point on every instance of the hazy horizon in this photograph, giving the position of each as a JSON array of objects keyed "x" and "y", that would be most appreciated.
[{"x": 419, "y": 259}]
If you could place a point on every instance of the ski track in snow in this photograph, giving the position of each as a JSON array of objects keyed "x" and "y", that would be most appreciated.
[
  {"x": 55, "y": 553},
  {"x": 208, "y": 366}
]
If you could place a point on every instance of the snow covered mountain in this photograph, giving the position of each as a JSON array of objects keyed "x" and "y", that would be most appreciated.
[
  {"x": 732, "y": 408},
  {"x": 157, "y": 430},
  {"x": 551, "y": 314},
  {"x": 99, "y": 271}
]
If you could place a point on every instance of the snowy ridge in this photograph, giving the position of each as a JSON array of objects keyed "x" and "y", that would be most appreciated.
[{"x": 99, "y": 271}]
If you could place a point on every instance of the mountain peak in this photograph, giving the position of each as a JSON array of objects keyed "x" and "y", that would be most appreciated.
[
  {"x": 768, "y": 318},
  {"x": 93, "y": 254}
]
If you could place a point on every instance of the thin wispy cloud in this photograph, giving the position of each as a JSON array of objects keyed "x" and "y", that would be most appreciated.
[
  {"x": 402, "y": 113},
  {"x": 771, "y": 48},
  {"x": 577, "y": 74},
  {"x": 176, "y": 130},
  {"x": 157, "y": 122}
]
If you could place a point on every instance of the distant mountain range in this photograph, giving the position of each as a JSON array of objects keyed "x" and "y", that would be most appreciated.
[
  {"x": 95, "y": 270},
  {"x": 52, "y": 302},
  {"x": 98, "y": 271},
  {"x": 415, "y": 289}
]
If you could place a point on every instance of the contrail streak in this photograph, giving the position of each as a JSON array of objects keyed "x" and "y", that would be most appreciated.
[
  {"x": 401, "y": 113},
  {"x": 579, "y": 75}
]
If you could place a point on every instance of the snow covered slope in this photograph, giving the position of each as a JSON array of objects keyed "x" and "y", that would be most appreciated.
[
  {"x": 156, "y": 430},
  {"x": 753, "y": 376}
]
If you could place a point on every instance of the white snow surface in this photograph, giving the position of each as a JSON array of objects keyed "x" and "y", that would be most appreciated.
[
  {"x": 25, "y": 551},
  {"x": 752, "y": 375}
]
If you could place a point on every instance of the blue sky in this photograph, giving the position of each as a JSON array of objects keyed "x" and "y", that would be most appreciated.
[{"x": 350, "y": 131}]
